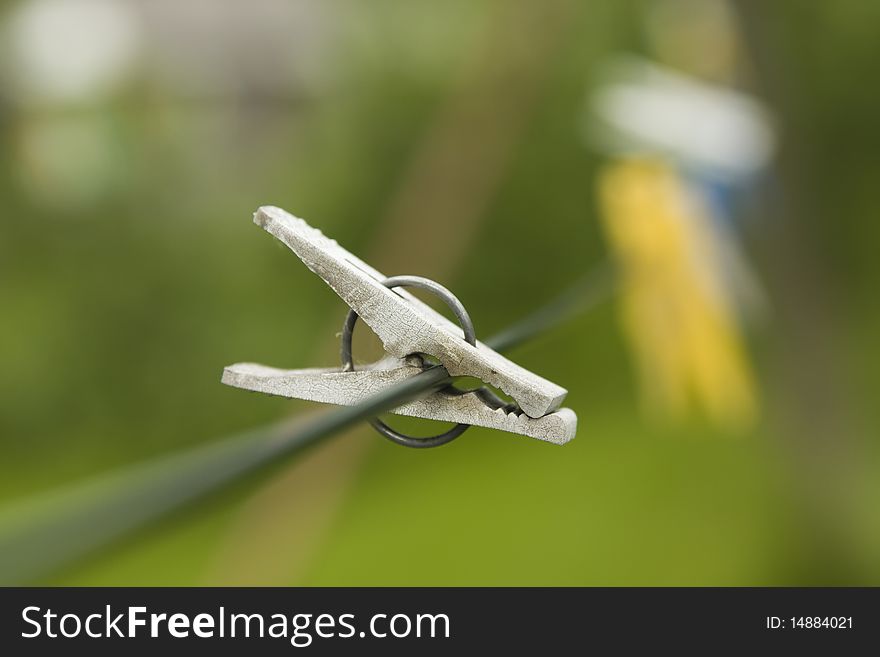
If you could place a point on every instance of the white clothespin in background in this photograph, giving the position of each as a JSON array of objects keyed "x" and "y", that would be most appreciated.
[{"x": 408, "y": 328}]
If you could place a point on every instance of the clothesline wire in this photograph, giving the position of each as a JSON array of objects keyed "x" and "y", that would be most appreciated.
[{"x": 43, "y": 534}]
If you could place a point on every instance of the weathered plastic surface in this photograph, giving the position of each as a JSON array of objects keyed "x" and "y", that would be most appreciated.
[
  {"x": 332, "y": 386},
  {"x": 404, "y": 324}
]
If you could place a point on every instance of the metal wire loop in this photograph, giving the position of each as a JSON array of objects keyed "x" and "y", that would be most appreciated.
[{"x": 470, "y": 336}]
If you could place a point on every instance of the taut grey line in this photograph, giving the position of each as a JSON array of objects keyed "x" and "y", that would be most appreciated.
[{"x": 42, "y": 534}]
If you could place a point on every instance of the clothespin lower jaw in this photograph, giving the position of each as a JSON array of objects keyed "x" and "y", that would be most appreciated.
[
  {"x": 332, "y": 386},
  {"x": 405, "y": 324}
]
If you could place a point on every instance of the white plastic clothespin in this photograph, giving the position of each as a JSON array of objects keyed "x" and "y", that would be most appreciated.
[{"x": 407, "y": 327}]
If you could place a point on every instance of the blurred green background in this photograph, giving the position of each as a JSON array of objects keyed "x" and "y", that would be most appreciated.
[{"x": 444, "y": 140}]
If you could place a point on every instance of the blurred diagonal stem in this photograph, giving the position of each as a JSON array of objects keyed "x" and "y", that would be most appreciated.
[{"x": 43, "y": 534}]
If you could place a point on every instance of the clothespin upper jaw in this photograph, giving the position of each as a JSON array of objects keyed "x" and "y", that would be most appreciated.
[{"x": 405, "y": 324}]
